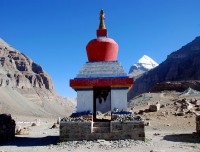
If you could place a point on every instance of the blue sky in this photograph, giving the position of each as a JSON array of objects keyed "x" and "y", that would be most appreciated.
[{"x": 54, "y": 33}]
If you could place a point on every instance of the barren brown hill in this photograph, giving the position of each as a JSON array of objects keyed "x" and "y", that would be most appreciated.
[{"x": 25, "y": 88}]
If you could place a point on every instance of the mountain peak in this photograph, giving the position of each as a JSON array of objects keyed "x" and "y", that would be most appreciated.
[
  {"x": 147, "y": 62},
  {"x": 144, "y": 64}
]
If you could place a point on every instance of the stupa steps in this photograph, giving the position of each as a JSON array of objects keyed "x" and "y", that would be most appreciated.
[
  {"x": 101, "y": 130},
  {"x": 101, "y": 124},
  {"x": 101, "y": 127}
]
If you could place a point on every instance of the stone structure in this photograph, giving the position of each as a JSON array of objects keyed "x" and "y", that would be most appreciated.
[
  {"x": 198, "y": 125},
  {"x": 113, "y": 130},
  {"x": 102, "y": 83},
  {"x": 7, "y": 127},
  {"x": 102, "y": 86}
]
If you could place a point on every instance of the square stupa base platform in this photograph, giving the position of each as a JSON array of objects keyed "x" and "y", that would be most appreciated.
[{"x": 113, "y": 130}]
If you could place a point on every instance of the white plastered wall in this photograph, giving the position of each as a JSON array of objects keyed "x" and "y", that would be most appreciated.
[
  {"x": 84, "y": 100},
  {"x": 119, "y": 99}
]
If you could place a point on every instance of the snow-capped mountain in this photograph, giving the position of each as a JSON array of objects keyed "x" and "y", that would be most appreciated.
[{"x": 143, "y": 65}]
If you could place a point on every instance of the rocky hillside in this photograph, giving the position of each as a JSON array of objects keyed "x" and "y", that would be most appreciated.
[
  {"x": 23, "y": 80},
  {"x": 180, "y": 65},
  {"x": 19, "y": 71},
  {"x": 144, "y": 64},
  {"x": 178, "y": 86}
]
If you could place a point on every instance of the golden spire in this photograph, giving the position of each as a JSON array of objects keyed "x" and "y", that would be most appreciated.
[{"x": 102, "y": 24}]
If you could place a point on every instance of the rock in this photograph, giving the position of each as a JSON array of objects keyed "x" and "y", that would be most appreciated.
[
  {"x": 162, "y": 106},
  {"x": 141, "y": 112},
  {"x": 198, "y": 108},
  {"x": 186, "y": 105},
  {"x": 154, "y": 108},
  {"x": 193, "y": 101},
  {"x": 147, "y": 123},
  {"x": 23, "y": 131},
  {"x": 197, "y": 103},
  {"x": 33, "y": 124},
  {"x": 54, "y": 126},
  {"x": 180, "y": 114},
  {"x": 156, "y": 134},
  {"x": 107, "y": 113},
  {"x": 58, "y": 120}
]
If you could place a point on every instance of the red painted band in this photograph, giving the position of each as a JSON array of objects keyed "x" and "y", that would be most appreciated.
[{"x": 91, "y": 83}]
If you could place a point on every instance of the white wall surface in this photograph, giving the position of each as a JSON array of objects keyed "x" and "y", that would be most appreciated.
[
  {"x": 84, "y": 100},
  {"x": 119, "y": 99}
]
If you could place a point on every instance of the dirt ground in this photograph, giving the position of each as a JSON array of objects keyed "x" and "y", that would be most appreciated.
[{"x": 165, "y": 134}]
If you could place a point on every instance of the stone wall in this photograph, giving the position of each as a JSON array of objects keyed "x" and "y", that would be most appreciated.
[
  {"x": 198, "y": 125},
  {"x": 118, "y": 130},
  {"x": 128, "y": 130},
  {"x": 7, "y": 127},
  {"x": 75, "y": 130}
]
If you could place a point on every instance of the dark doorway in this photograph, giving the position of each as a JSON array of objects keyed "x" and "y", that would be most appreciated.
[{"x": 102, "y": 104}]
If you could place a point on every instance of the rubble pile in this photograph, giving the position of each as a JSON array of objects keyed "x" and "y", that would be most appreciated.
[
  {"x": 73, "y": 119},
  {"x": 126, "y": 117},
  {"x": 7, "y": 127}
]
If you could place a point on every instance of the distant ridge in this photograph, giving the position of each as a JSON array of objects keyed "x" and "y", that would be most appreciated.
[{"x": 180, "y": 65}]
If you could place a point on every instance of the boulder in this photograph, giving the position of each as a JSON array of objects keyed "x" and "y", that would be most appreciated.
[{"x": 154, "y": 108}]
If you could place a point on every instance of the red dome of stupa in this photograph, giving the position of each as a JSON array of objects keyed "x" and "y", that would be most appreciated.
[{"x": 102, "y": 48}]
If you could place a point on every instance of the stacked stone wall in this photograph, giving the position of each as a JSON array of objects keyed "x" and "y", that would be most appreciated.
[
  {"x": 118, "y": 130},
  {"x": 128, "y": 130},
  {"x": 7, "y": 127},
  {"x": 75, "y": 130},
  {"x": 198, "y": 125}
]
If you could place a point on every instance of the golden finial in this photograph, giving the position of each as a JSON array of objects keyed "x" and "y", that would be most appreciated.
[{"x": 102, "y": 24}]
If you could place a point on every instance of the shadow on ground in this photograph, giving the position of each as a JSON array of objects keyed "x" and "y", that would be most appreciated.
[
  {"x": 31, "y": 141},
  {"x": 189, "y": 138}
]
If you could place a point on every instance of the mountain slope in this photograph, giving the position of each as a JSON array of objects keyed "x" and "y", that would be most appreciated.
[
  {"x": 24, "y": 81},
  {"x": 180, "y": 65},
  {"x": 143, "y": 65}
]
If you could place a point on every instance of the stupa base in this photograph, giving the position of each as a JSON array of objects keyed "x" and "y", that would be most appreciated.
[{"x": 113, "y": 130}]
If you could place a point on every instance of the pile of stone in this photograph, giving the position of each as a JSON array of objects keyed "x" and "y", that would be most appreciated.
[
  {"x": 186, "y": 106},
  {"x": 7, "y": 127},
  {"x": 125, "y": 117},
  {"x": 73, "y": 119}
]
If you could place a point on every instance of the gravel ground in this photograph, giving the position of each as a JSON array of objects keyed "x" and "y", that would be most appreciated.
[{"x": 158, "y": 139}]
